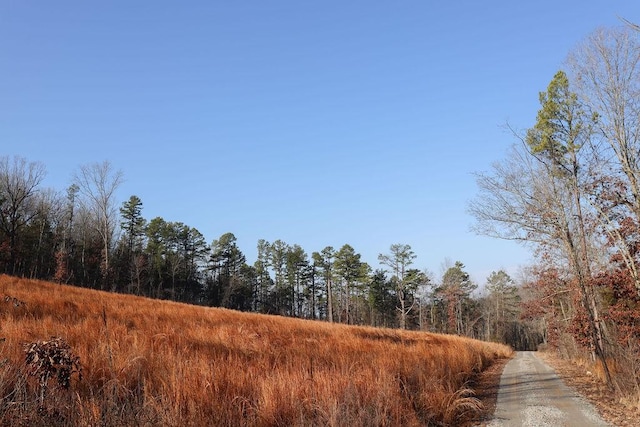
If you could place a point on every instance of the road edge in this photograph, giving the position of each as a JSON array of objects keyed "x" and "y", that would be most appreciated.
[
  {"x": 593, "y": 390},
  {"x": 486, "y": 386}
]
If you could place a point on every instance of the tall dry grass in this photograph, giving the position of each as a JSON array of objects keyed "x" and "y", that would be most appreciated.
[{"x": 149, "y": 362}]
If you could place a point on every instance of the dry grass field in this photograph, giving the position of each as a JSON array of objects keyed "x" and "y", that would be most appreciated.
[{"x": 150, "y": 362}]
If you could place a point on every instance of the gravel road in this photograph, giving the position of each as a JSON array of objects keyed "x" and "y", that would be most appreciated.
[{"x": 531, "y": 394}]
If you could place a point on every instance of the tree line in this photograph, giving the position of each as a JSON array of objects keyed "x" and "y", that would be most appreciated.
[
  {"x": 84, "y": 236},
  {"x": 570, "y": 188}
]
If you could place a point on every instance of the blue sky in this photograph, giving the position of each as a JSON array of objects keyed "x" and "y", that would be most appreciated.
[{"x": 318, "y": 123}]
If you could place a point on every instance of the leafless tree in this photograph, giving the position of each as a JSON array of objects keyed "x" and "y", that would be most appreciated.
[
  {"x": 525, "y": 198},
  {"x": 19, "y": 182},
  {"x": 606, "y": 75},
  {"x": 50, "y": 217},
  {"x": 97, "y": 184}
]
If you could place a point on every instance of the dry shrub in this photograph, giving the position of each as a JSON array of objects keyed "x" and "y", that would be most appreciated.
[
  {"x": 50, "y": 359},
  {"x": 149, "y": 362}
]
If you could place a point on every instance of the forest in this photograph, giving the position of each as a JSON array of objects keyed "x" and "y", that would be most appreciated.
[
  {"x": 85, "y": 237},
  {"x": 569, "y": 189}
]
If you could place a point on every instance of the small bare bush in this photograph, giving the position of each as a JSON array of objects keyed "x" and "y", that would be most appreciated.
[{"x": 52, "y": 359}]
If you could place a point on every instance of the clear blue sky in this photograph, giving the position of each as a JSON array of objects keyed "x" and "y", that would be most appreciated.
[{"x": 318, "y": 123}]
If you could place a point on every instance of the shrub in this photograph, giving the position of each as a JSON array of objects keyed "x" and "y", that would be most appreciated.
[{"x": 51, "y": 360}]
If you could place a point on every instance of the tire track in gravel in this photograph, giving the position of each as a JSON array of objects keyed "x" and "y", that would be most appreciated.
[{"x": 531, "y": 394}]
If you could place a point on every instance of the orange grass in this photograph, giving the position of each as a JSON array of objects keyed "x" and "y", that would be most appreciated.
[{"x": 150, "y": 362}]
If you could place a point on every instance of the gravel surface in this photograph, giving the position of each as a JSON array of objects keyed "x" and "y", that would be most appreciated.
[{"x": 531, "y": 394}]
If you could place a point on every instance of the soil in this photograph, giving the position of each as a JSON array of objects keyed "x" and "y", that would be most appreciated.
[{"x": 586, "y": 384}]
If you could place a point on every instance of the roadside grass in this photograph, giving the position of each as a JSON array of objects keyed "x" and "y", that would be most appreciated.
[{"x": 151, "y": 362}]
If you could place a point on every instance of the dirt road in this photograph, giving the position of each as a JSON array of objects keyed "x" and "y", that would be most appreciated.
[{"x": 531, "y": 394}]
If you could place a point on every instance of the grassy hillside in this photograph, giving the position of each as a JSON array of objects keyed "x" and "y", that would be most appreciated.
[{"x": 149, "y": 362}]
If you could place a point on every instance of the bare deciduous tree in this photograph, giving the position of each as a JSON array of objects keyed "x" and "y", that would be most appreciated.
[
  {"x": 97, "y": 183},
  {"x": 606, "y": 71},
  {"x": 19, "y": 182},
  {"x": 528, "y": 198}
]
